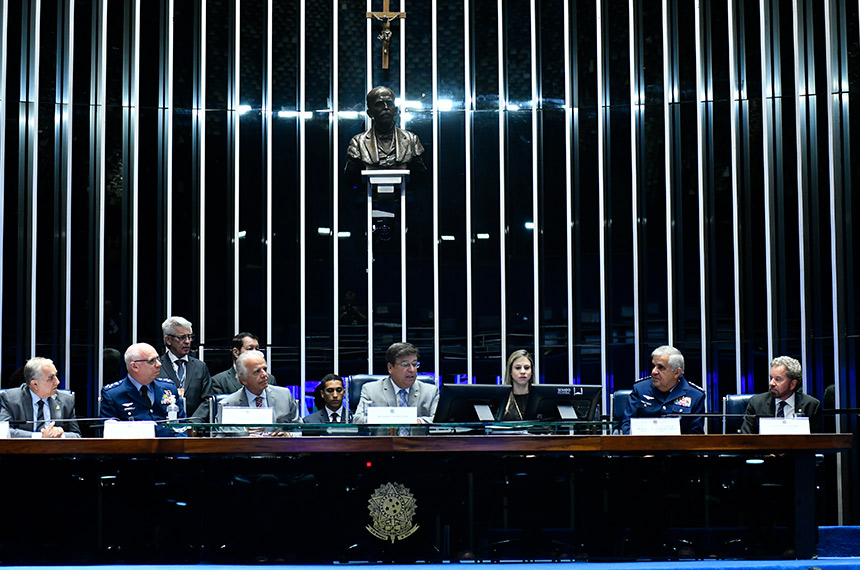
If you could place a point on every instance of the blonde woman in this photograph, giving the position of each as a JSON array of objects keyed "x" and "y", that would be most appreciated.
[{"x": 519, "y": 373}]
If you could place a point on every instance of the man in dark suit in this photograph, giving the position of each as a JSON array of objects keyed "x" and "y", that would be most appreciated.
[
  {"x": 783, "y": 398},
  {"x": 227, "y": 382},
  {"x": 35, "y": 408},
  {"x": 190, "y": 375},
  {"x": 256, "y": 392},
  {"x": 333, "y": 410},
  {"x": 142, "y": 395}
]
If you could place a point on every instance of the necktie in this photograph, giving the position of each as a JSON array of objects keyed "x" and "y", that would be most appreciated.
[
  {"x": 403, "y": 404},
  {"x": 780, "y": 413},
  {"x": 145, "y": 393},
  {"x": 40, "y": 415},
  {"x": 180, "y": 372},
  {"x": 259, "y": 401},
  {"x": 334, "y": 418}
]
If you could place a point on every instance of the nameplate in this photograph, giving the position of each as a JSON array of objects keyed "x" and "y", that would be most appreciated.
[
  {"x": 783, "y": 426},
  {"x": 4, "y": 430},
  {"x": 391, "y": 415},
  {"x": 115, "y": 429},
  {"x": 240, "y": 415},
  {"x": 655, "y": 426}
]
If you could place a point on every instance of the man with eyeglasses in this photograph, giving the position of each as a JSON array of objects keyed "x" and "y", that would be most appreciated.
[
  {"x": 333, "y": 410},
  {"x": 227, "y": 382},
  {"x": 400, "y": 388},
  {"x": 142, "y": 395},
  {"x": 190, "y": 375}
]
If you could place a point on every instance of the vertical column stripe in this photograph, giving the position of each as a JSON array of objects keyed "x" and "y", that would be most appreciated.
[
  {"x": 568, "y": 189},
  {"x": 302, "y": 198},
  {"x": 702, "y": 99},
  {"x": 669, "y": 92},
  {"x": 368, "y": 87},
  {"x": 636, "y": 111},
  {"x": 33, "y": 53},
  {"x": 234, "y": 116},
  {"x": 65, "y": 70},
  {"x": 735, "y": 62},
  {"x": 602, "y": 95},
  {"x": 335, "y": 176},
  {"x": 168, "y": 152},
  {"x": 4, "y": 27},
  {"x": 467, "y": 146},
  {"x": 268, "y": 117},
  {"x": 200, "y": 166},
  {"x": 503, "y": 99},
  {"x": 434, "y": 35},
  {"x": 97, "y": 109},
  {"x": 134, "y": 117},
  {"x": 768, "y": 92},
  {"x": 536, "y": 103},
  {"x": 403, "y": 271}
]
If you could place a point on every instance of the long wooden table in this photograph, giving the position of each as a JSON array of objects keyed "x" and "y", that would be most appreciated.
[{"x": 312, "y": 499}]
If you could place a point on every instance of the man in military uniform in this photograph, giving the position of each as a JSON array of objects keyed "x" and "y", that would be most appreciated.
[
  {"x": 667, "y": 392},
  {"x": 142, "y": 395}
]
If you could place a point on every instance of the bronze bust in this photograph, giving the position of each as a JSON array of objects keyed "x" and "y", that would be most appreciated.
[{"x": 384, "y": 145}]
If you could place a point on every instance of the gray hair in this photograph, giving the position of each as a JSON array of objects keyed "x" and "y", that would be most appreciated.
[
  {"x": 33, "y": 368},
  {"x": 676, "y": 359},
  {"x": 793, "y": 369},
  {"x": 241, "y": 369},
  {"x": 168, "y": 327}
]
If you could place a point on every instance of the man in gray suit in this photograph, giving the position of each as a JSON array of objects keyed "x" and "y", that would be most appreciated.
[
  {"x": 256, "y": 392},
  {"x": 190, "y": 375},
  {"x": 783, "y": 398},
  {"x": 227, "y": 382},
  {"x": 333, "y": 410},
  {"x": 33, "y": 410},
  {"x": 400, "y": 388}
]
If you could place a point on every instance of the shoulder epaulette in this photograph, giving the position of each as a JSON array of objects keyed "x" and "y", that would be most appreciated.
[{"x": 114, "y": 385}]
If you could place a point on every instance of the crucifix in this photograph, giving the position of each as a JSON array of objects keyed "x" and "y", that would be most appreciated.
[{"x": 386, "y": 16}]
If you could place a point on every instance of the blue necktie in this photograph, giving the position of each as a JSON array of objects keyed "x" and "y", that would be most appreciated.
[
  {"x": 780, "y": 413},
  {"x": 403, "y": 404},
  {"x": 40, "y": 416},
  {"x": 180, "y": 372}
]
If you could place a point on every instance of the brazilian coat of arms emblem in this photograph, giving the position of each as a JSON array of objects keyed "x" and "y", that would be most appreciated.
[{"x": 392, "y": 507}]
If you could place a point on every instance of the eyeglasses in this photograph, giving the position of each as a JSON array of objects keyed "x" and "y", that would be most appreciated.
[
  {"x": 150, "y": 361},
  {"x": 333, "y": 390},
  {"x": 182, "y": 337},
  {"x": 405, "y": 365}
]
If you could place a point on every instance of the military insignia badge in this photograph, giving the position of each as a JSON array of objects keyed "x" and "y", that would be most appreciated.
[
  {"x": 686, "y": 401},
  {"x": 167, "y": 398},
  {"x": 391, "y": 508}
]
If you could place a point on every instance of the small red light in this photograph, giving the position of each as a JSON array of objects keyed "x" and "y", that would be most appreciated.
[{"x": 368, "y": 464}]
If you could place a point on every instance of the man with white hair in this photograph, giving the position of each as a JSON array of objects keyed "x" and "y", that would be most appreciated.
[
  {"x": 36, "y": 409},
  {"x": 190, "y": 374},
  {"x": 252, "y": 370},
  {"x": 666, "y": 393},
  {"x": 783, "y": 398}
]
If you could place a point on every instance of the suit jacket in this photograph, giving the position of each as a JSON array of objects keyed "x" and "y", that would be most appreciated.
[
  {"x": 16, "y": 407},
  {"x": 685, "y": 399},
  {"x": 363, "y": 151},
  {"x": 198, "y": 383},
  {"x": 764, "y": 406},
  {"x": 285, "y": 406},
  {"x": 321, "y": 417},
  {"x": 122, "y": 401},
  {"x": 227, "y": 382},
  {"x": 383, "y": 392}
]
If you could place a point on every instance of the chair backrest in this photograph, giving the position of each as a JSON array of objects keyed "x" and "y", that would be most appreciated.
[
  {"x": 617, "y": 405},
  {"x": 734, "y": 406},
  {"x": 355, "y": 382}
]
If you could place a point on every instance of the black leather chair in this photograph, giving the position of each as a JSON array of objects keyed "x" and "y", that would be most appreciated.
[
  {"x": 734, "y": 406},
  {"x": 617, "y": 404},
  {"x": 355, "y": 382}
]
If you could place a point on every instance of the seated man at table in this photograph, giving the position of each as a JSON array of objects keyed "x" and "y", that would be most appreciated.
[
  {"x": 667, "y": 393},
  {"x": 142, "y": 395},
  {"x": 227, "y": 382},
  {"x": 35, "y": 408},
  {"x": 400, "y": 388},
  {"x": 783, "y": 398},
  {"x": 333, "y": 410},
  {"x": 255, "y": 392}
]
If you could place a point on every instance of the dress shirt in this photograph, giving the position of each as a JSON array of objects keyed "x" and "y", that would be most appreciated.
[
  {"x": 788, "y": 411},
  {"x": 252, "y": 398}
]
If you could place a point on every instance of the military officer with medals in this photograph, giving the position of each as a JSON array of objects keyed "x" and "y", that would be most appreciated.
[
  {"x": 142, "y": 395},
  {"x": 667, "y": 393}
]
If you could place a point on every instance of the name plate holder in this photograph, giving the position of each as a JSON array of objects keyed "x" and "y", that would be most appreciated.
[
  {"x": 655, "y": 426},
  {"x": 384, "y": 184},
  {"x": 115, "y": 429},
  {"x": 241, "y": 415},
  {"x": 392, "y": 415},
  {"x": 4, "y": 430},
  {"x": 783, "y": 426}
]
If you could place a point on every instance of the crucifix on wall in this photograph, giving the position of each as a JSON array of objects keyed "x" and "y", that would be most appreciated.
[{"x": 386, "y": 16}]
